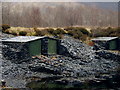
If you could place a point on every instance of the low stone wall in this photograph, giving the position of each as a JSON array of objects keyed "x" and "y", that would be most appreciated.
[
  {"x": 15, "y": 51},
  {"x": 100, "y": 45}
]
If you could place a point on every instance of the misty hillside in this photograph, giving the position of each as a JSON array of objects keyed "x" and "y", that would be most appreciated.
[{"x": 57, "y": 14}]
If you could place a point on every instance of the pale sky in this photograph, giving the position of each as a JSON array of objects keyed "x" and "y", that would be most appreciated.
[{"x": 59, "y": 0}]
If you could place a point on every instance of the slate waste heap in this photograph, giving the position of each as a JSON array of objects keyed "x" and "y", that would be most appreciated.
[{"x": 75, "y": 60}]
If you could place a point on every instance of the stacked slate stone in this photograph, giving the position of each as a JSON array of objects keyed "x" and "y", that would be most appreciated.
[
  {"x": 15, "y": 51},
  {"x": 101, "y": 45}
]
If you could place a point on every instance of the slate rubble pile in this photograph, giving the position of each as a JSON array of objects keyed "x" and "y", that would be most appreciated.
[
  {"x": 78, "y": 61},
  {"x": 82, "y": 60}
]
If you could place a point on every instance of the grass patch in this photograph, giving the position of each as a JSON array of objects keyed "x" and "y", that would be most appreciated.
[{"x": 76, "y": 32}]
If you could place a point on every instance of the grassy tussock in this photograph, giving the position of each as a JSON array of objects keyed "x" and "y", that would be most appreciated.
[{"x": 83, "y": 34}]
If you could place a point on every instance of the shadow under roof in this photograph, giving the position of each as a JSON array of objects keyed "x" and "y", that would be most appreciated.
[
  {"x": 22, "y": 39},
  {"x": 104, "y": 38}
]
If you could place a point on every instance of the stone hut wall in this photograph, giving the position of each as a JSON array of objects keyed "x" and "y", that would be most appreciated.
[
  {"x": 15, "y": 51},
  {"x": 101, "y": 45}
]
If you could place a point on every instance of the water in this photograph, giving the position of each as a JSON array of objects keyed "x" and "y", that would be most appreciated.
[{"x": 110, "y": 83}]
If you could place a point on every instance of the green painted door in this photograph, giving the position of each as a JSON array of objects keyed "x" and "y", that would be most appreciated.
[
  {"x": 35, "y": 48},
  {"x": 52, "y": 46},
  {"x": 112, "y": 45}
]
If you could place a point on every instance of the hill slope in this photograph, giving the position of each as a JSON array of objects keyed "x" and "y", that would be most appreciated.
[{"x": 57, "y": 14}]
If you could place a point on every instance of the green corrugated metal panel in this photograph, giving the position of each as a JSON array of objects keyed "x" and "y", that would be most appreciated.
[
  {"x": 35, "y": 48},
  {"x": 112, "y": 45},
  {"x": 52, "y": 46}
]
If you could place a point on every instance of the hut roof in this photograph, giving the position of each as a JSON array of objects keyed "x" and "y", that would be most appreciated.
[
  {"x": 22, "y": 39},
  {"x": 104, "y": 38}
]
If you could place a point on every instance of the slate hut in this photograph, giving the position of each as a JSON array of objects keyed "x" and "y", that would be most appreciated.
[
  {"x": 22, "y": 47},
  {"x": 107, "y": 43}
]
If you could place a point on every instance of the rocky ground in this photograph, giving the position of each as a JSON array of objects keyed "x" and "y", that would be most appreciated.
[{"x": 79, "y": 63}]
